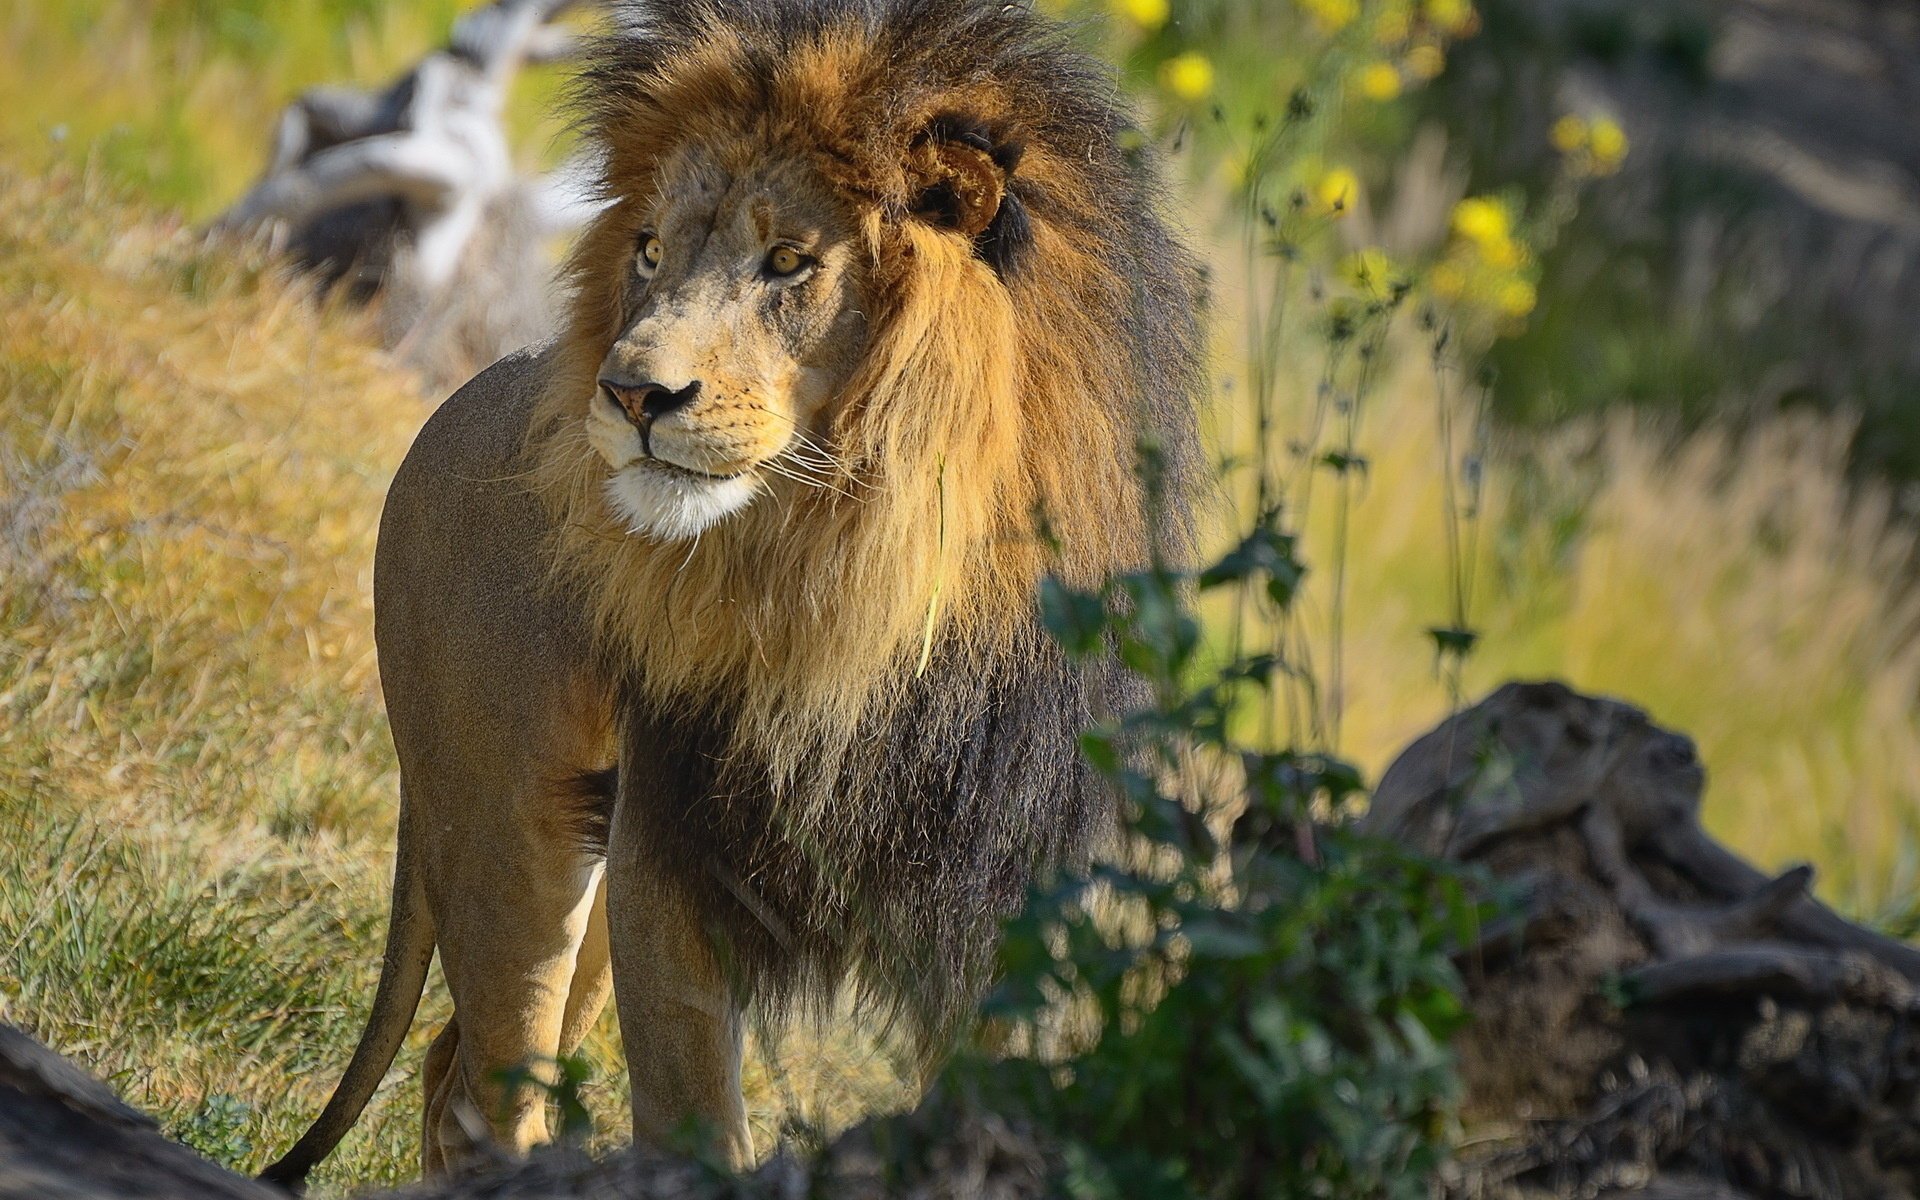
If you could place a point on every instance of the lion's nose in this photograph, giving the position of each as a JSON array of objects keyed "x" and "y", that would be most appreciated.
[{"x": 645, "y": 403}]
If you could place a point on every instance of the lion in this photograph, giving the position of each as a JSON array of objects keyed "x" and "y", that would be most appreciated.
[{"x": 707, "y": 631}]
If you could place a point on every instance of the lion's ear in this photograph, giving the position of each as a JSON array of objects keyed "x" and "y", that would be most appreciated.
[
  {"x": 962, "y": 179},
  {"x": 959, "y": 185}
]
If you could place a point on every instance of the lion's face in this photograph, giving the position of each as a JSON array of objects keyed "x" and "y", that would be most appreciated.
[{"x": 742, "y": 320}]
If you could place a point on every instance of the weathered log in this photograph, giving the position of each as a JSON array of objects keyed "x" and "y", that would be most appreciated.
[
  {"x": 66, "y": 1136},
  {"x": 1657, "y": 1018}
]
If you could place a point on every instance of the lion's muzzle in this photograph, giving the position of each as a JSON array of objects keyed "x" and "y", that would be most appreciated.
[{"x": 645, "y": 403}]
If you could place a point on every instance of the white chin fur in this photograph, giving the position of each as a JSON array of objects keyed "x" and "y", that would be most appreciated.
[{"x": 671, "y": 506}]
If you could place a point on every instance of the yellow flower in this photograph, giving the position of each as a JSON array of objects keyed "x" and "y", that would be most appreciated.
[
  {"x": 1505, "y": 254},
  {"x": 1426, "y": 61},
  {"x": 1188, "y": 76},
  {"x": 1331, "y": 16},
  {"x": 1147, "y": 14},
  {"x": 1607, "y": 142},
  {"x": 1377, "y": 81},
  {"x": 1391, "y": 28},
  {"x": 1569, "y": 134},
  {"x": 1370, "y": 272},
  {"x": 1516, "y": 298},
  {"x": 1337, "y": 192},
  {"x": 1451, "y": 16},
  {"x": 1482, "y": 220},
  {"x": 1484, "y": 223},
  {"x": 1448, "y": 281}
]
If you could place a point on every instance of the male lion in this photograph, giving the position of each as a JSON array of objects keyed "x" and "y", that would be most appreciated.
[{"x": 879, "y": 284}]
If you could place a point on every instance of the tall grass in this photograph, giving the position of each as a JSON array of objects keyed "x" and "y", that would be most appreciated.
[
  {"x": 1742, "y": 590},
  {"x": 193, "y": 768}
]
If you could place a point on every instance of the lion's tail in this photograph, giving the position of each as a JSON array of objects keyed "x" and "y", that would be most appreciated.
[{"x": 403, "y": 977}]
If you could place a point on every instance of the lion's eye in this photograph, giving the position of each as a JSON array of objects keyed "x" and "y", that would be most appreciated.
[
  {"x": 783, "y": 261},
  {"x": 650, "y": 252}
]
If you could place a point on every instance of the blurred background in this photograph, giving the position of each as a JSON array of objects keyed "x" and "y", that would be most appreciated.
[{"x": 1577, "y": 338}]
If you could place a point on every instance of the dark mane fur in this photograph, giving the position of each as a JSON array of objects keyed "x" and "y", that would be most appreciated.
[
  {"x": 948, "y": 808},
  {"x": 893, "y": 850}
]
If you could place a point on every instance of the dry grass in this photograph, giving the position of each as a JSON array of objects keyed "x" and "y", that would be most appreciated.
[
  {"x": 193, "y": 769},
  {"x": 1741, "y": 590}
]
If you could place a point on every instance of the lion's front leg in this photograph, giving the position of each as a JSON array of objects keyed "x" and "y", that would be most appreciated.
[{"x": 679, "y": 1018}]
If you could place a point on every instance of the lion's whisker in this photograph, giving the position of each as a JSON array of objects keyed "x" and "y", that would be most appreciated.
[
  {"x": 804, "y": 437},
  {"x": 785, "y": 471},
  {"x": 833, "y": 473}
]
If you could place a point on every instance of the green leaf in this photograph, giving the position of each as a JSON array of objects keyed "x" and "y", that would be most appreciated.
[
  {"x": 1268, "y": 552},
  {"x": 1076, "y": 619},
  {"x": 1457, "y": 643}
]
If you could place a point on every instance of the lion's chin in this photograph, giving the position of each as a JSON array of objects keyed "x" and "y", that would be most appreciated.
[{"x": 672, "y": 504}]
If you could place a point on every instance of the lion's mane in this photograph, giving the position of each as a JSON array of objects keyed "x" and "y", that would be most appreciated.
[{"x": 869, "y": 741}]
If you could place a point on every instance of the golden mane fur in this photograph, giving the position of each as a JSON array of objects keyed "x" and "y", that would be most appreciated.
[{"x": 990, "y": 392}]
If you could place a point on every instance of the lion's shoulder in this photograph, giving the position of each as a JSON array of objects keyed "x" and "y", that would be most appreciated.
[
  {"x": 483, "y": 425},
  {"x": 459, "y": 512}
]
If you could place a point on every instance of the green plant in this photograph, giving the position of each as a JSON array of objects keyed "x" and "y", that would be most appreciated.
[
  {"x": 563, "y": 1085},
  {"x": 218, "y": 1128},
  {"x": 1261, "y": 1015}
]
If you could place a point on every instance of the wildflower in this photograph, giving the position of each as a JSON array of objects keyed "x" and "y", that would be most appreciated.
[
  {"x": 1337, "y": 192},
  {"x": 1607, "y": 143},
  {"x": 1569, "y": 134},
  {"x": 1483, "y": 221},
  {"x": 1516, "y": 298},
  {"x": 1426, "y": 61},
  {"x": 1454, "y": 17},
  {"x": 1377, "y": 81},
  {"x": 1188, "y": 76},
  {"x": 1504, "y": 255},
  {"x": 1371, "y": 273},
  {"x": 1392, "y": 27},
  {"x": 1147, "y": 14},
  {"x": 1331, "y": 16}
]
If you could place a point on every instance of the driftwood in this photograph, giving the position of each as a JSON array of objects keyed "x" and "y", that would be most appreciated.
[
  {"x": 1654, "y": 1018},
  {"x": 410, "y": 192}
]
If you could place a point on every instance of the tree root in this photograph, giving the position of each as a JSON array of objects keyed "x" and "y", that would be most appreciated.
[{"x": 1661, "y": 1018}]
